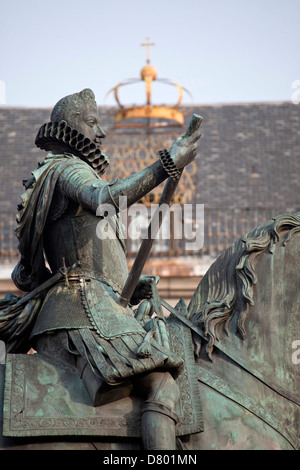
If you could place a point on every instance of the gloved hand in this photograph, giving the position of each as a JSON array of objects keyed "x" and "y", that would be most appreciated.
[
  {"x": 142, "y": 291},
  {"x": 184, "y": 149}
]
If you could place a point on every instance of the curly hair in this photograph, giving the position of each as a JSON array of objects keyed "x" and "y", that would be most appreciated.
[{"x": 71, "y": 105}]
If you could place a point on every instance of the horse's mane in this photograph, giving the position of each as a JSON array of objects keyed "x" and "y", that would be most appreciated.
[{"x": 226, "y": 290}]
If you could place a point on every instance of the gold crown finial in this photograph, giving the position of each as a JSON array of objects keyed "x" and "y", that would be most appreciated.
[
  {"x": 148, "y": 72},
  {"x": 157, "y": 112},
  {"x": 148, "y": 44}
]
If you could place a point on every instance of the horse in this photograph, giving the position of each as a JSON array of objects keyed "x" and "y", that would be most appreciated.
[
  {"x": 243, "y": 331},
  {"x": 248, "y": 305}
]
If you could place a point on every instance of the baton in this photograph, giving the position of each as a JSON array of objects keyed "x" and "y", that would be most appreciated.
[{"x": 154, "y": 226}]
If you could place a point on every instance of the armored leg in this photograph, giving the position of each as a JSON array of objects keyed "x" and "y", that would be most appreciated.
[{"x": 158, "y": 414}]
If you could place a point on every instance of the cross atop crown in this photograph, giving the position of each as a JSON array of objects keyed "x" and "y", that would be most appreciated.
[{"x": 148, "y": 44}]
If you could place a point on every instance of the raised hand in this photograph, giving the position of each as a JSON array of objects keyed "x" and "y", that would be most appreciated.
[{"x": 184, "y": 149}]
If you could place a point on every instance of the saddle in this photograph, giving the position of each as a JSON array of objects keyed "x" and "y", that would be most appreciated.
[{"x": 47, "y": 398}]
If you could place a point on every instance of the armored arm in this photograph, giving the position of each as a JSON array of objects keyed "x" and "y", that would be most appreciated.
[
  {"x": 80, "y": 183},
  {"x": 135, "y": 186}
]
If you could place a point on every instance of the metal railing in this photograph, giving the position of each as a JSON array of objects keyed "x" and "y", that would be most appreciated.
[
  {"x": 222, "y": 226},
  {"x": 8, "y": 239}
]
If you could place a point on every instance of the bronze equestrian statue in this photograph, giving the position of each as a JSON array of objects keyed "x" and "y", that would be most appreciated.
[
  {"x": 220, "y": 373},
  {"x": 80, "y": 321}
]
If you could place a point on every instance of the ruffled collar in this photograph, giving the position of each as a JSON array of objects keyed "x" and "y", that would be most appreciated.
[{"x": 61, "y": 133}]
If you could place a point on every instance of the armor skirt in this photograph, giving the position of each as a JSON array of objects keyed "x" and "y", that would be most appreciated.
[
  {"x": 86, "y": 321},
  {"x": 114, "y": 360}
]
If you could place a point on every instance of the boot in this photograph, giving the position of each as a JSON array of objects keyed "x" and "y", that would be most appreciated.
[{"x": 158, "y": 431}]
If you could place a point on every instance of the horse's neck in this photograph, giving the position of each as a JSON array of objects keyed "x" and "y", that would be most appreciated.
[
  {"x": 272, "y": 325},
  {"x": 254, "y": 287},
  {"x": 272, "y": 330}
]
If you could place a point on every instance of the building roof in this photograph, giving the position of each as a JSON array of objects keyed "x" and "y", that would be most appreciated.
[{"x": 247, "y": 168}]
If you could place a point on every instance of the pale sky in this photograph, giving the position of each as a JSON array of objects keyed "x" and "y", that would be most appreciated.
[{"x": 222, "y": 51}]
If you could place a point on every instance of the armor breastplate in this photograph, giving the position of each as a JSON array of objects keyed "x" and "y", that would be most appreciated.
[
  {"x": 91, "y": 240},
  {"x": 79, "y": 235}
]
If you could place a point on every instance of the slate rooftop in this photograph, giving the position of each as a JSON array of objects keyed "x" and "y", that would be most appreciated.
[{"x": 247, "y": 172}]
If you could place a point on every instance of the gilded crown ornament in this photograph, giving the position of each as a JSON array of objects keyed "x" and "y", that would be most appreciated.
[{"x": 148, "y": 75}]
